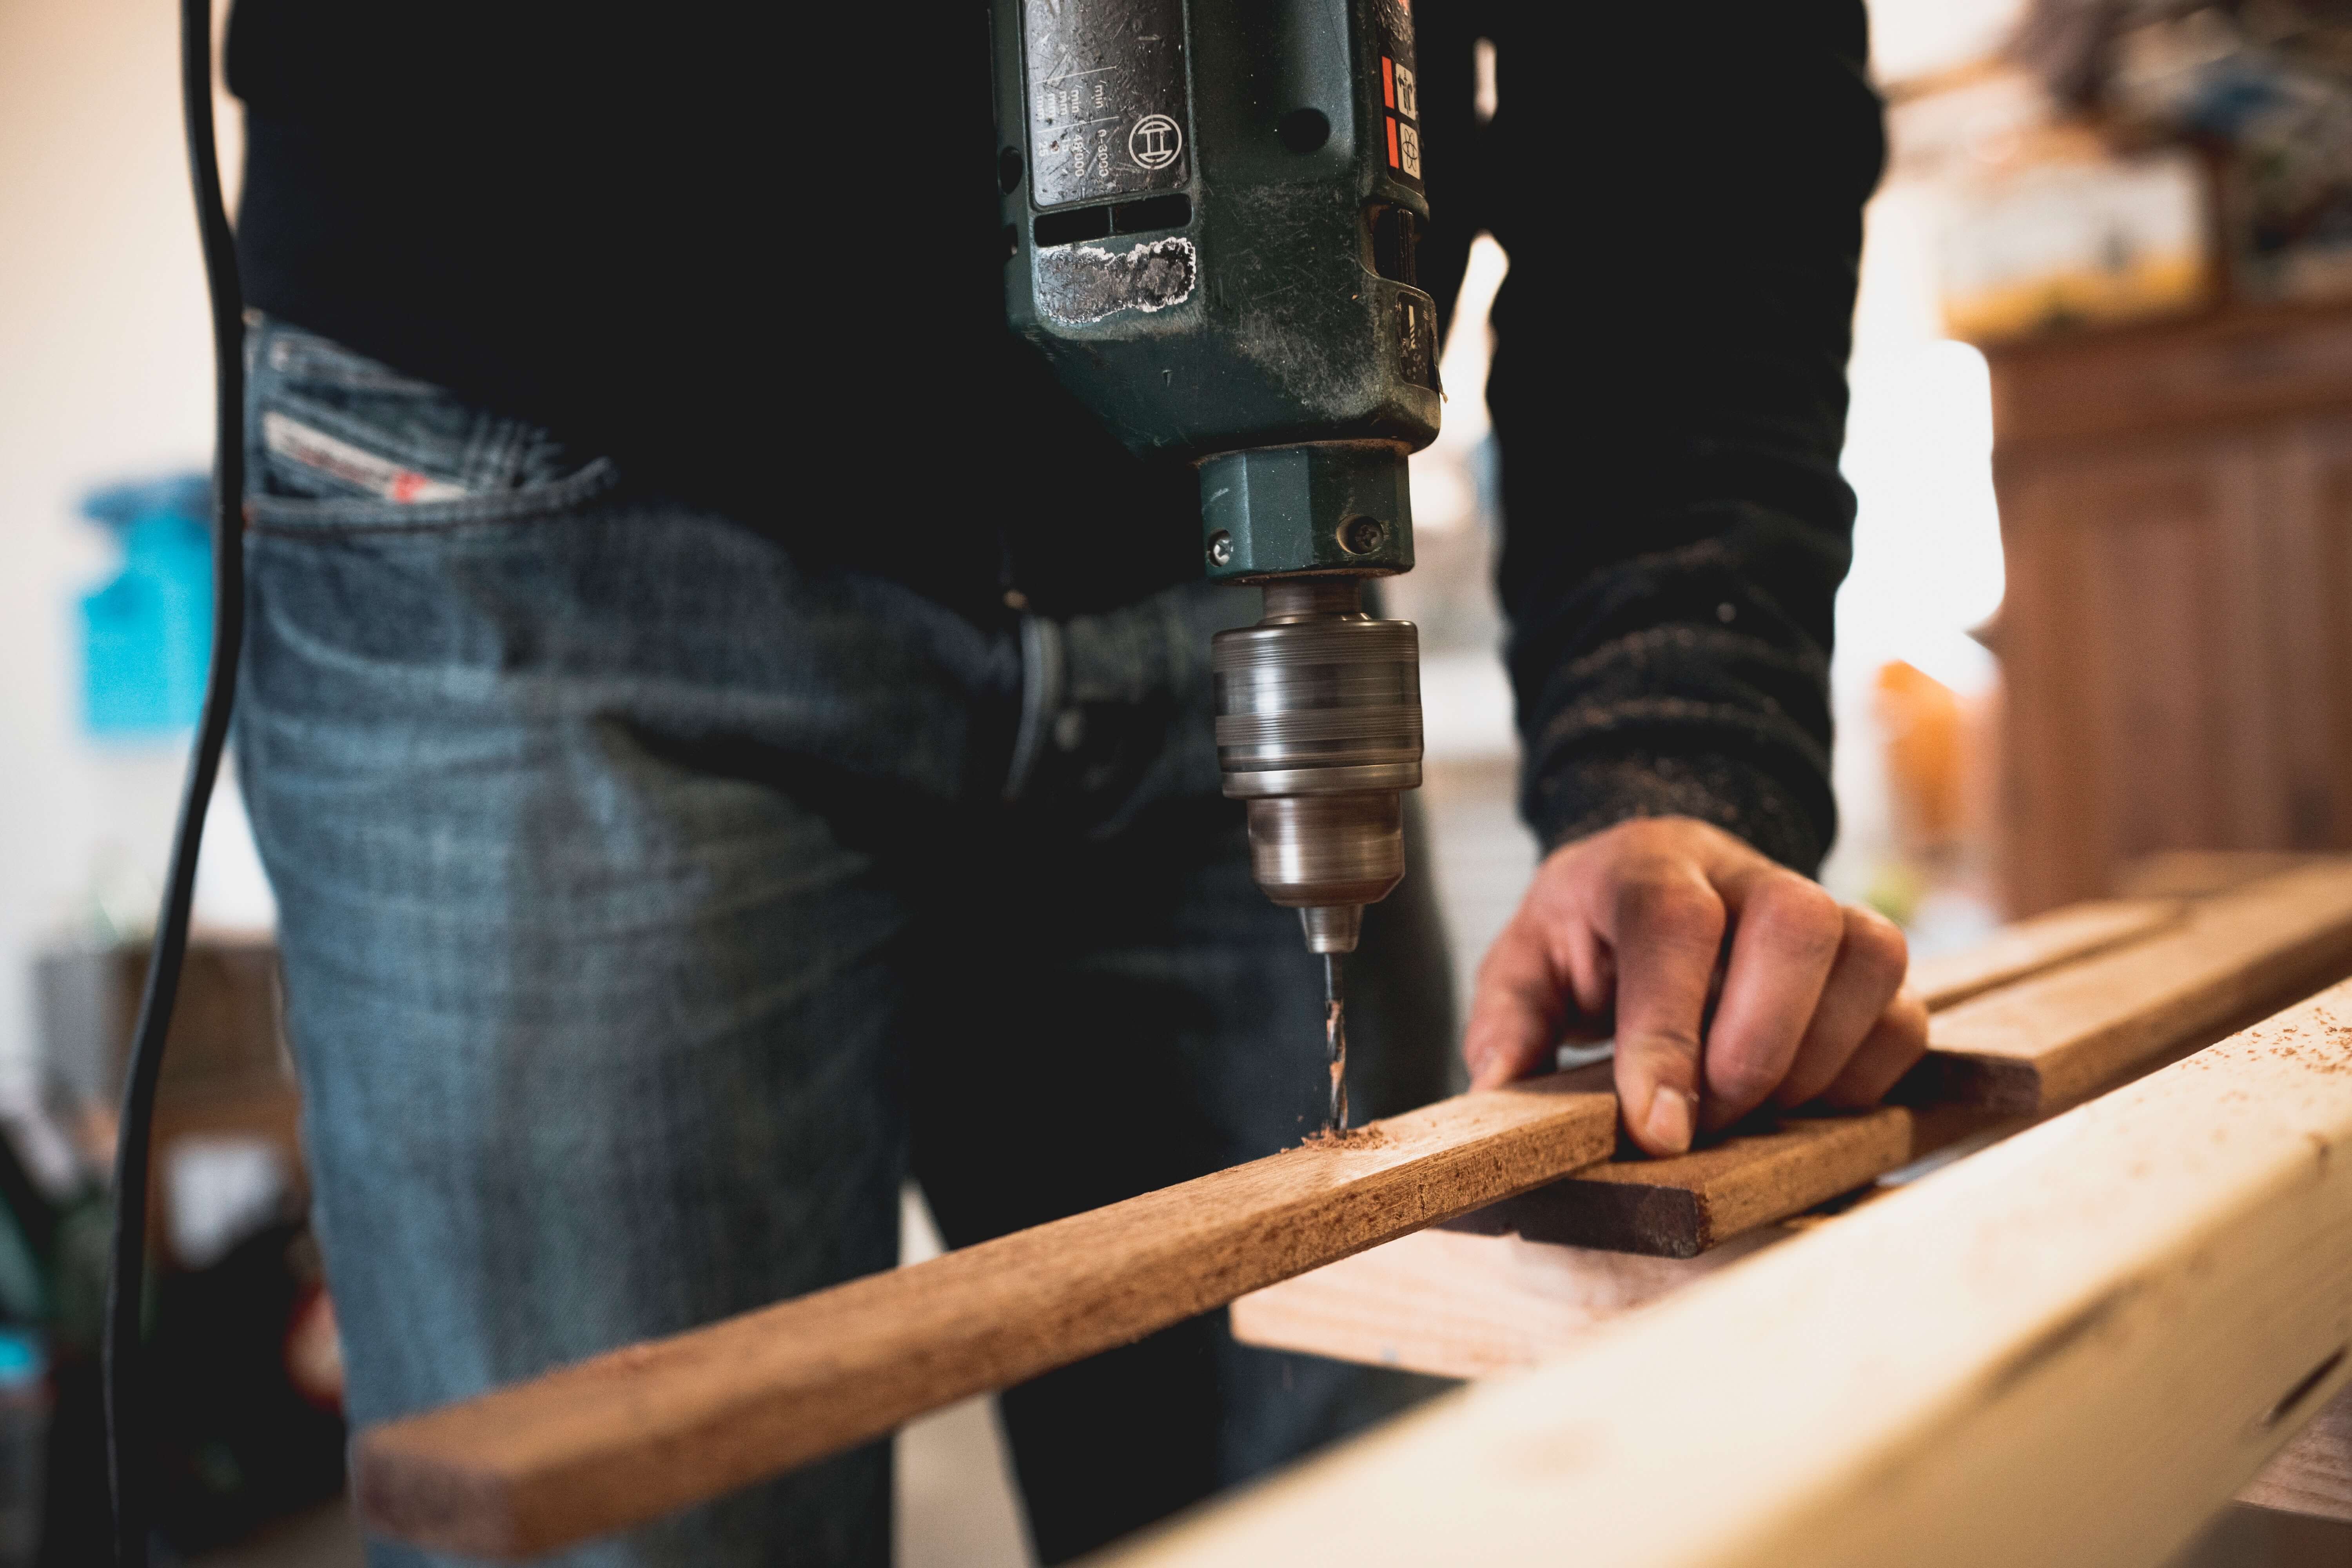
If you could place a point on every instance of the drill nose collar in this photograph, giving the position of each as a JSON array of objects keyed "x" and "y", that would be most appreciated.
[{"x": 1319, "y": 729}]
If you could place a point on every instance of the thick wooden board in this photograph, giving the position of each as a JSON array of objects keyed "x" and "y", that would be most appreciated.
[
  {"x": 2031, "y": 946},
  {"x": 628, "y": 1437},
  {"x": 2049, "y": 1042},
  {"x": 1454, "y": 1304},
  {"x": 1496, "y": 1292},
  {"x": 2312, "y": 1475},
  {"x": 2071, "y": 1349}
]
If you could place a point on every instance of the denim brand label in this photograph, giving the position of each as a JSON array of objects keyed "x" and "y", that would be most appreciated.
[{"x": 355, "y": 465}]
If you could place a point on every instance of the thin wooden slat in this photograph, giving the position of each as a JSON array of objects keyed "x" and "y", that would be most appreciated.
[
  {"x": 2071, "y": 1349},
  {"x": 1719, "y": 1192},
  {"x": 2045, "y": 942},
  {"x": 1685, "y": 1205},
  {"x": 2025, "y": 1049},
  {"x": 2047, "y": 1043},
  {"x": 628, "y": 1437}
]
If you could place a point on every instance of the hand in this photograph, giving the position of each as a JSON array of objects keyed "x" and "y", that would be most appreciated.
[{"x": 1628, "y": 926}]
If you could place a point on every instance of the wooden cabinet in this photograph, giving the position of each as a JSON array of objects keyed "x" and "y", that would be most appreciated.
[{"x": 2176, "y": 641}]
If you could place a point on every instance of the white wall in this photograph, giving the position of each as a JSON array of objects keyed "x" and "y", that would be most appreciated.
[{"x": 105, "y": 371}]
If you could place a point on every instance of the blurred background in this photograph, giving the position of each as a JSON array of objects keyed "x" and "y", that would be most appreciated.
[{"x": 2102, "y": 440}]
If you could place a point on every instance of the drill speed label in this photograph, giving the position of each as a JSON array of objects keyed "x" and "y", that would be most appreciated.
[
  {"x": 1399, "y": 92},
  {"x": 1108, "y": 104}
]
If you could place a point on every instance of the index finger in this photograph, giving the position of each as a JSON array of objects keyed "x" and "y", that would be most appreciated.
[{"x": 1665, "y": 926}]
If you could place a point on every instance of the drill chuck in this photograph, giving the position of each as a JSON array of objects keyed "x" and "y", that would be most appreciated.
[{"x": 1319, "y": 730}]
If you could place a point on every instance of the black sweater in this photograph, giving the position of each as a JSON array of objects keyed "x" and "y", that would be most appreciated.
[{"x": 752, "y": 252}]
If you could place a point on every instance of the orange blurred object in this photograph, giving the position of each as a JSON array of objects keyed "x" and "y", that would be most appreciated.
[{"x": 1923, "y": 723}]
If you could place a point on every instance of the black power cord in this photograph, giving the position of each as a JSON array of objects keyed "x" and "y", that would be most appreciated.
[{"x": 127, "y": 1458}]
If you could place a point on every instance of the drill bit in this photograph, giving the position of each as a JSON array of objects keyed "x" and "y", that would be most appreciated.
[{"x": 1335, "y": 1043}]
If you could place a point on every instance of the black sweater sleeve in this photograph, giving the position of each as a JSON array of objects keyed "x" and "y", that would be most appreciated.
[{"x": 1680, "y": 191}]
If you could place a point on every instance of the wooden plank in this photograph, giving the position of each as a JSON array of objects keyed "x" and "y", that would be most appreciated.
[
  {"x": 2047, "y": 1043},
  {"x": 2031, "y": 946},
  {"x": 628, "y": 1437},
  {"x": 1496, "y": 1292},
  {"x": 1685, "y": 1204},
  {"x": 2312, "y": 1475},
  {"x": 2071, "y": 1349},
  {"x": 1454, "y": 1304}
]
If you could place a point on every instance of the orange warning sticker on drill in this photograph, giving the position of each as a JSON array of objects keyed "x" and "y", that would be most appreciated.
[{"x": 1399, "y": 92}]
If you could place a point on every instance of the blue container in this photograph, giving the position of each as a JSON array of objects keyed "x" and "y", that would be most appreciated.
[
  {"x": 24, "y": 1445},
  {"x": 147, "y": 633}
]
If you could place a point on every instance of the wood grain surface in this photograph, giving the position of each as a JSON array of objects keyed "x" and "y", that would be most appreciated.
[
  {"x": 636, "y": 1434},
  {"x": 1454, "y": 1304},
  {"x": 2070, "y": 1350},
  {"x": 2049, "y": 1042},
  {"x": 1681, "y": 1207},
  {"x": 2028, "y": 947}
]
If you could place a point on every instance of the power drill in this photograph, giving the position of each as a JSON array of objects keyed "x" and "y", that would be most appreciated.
[{"x": 1212, "y": 212}]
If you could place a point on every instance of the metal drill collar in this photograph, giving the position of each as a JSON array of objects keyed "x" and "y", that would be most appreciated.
[
  {"x": 1315, "y": 850},
  {"x": 1319, "y": 729},
  {"x": 1341, "y": 693},
  {"x": 1261, "y": 783}
]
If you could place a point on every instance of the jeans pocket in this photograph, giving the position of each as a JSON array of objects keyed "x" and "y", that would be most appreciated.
[{"x": 338, "y": 441}]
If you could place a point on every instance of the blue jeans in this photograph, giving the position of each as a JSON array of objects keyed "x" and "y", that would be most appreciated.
[{"x": 654, "y": 903}]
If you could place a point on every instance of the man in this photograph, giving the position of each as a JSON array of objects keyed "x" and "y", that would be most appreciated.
[{"x": 728, "y": 732}]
